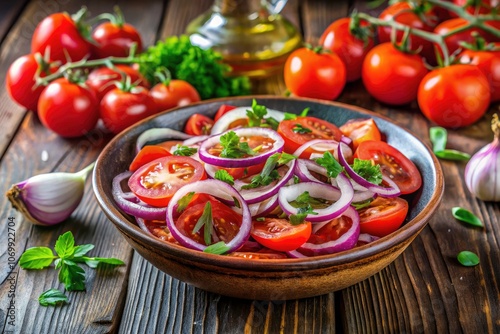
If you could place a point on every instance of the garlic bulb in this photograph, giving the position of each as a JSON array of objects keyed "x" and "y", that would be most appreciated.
[
  {"x": 482, "y": 173},
  {"x": 48, "y": 199}
]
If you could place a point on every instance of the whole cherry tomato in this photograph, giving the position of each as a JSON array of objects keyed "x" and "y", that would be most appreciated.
[
  {"x": 104, "y": 79},
  {"x": 68, "y": 109},
  {"x": 404, "y": 13},
  {"x": 311, "y": 73},
  {"x": 60, "y": 33},
  {"x": 392, "y": 76},
  {"x": 115, "y": 39},
  {"x": 483, "y": 7},
  {"x": 489, "y": 63},
  {"x": 453, "y": 41},
  {"x": 20, "y": 81},
  {"x": 198, "y": 124},
  {"x": 123, "y": 108},
  {"x": 454, "y": 96},
  {"x": 351, "y": 50},
  {"x": 175, "y": 93}
]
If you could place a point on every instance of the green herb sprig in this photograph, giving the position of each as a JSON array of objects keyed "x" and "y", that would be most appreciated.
[
  {"x": 367, "y": 170},
  {"x": 232, "y": 147}
]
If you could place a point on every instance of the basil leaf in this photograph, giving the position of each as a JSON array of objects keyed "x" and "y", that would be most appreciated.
[
  {"x": 93, "y": 262},
  {"x": 452, "y": 155},
  {"x": 65, "y": 245},
  {"x": 36, "y": 258},
  {"x": 52, "y": 297},
  {"x": 468, "y": 259},
  {"x": 81, "y": 250},
  {"x": 72, "y": 276},
  {"x": 217, "y": 248},
  {"x": 438, "y": 137},
  {"x": 466, "y": 216}
]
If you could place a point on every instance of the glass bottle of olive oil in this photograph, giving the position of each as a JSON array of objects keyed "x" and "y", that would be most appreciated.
[{"x": 251, "y": 35}]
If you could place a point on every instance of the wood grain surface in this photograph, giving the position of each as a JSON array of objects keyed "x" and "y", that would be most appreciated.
[{"x": 424, "y": 290}]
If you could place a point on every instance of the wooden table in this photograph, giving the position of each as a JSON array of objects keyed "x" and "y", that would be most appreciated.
[{"x": 424, "y": 290}]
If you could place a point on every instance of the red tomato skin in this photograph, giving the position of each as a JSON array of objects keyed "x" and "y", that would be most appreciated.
[
  {"x": 489, "y": 63},
  {"x": 385, "y": 220},
  {"x": 351, "y": 50},
  {"x": 120, "y": 109},
  {"x": 68, "y": 109},
  {"x": 178, "y": 93},
  {"x": 453, "y": 42},
  {"x": 59, "y": 32},
  {"x": 101, "y": 79},
  {"x": 392, "y": 76},
  {"x": 115, "y": 40},
  {"x": 444, "y": 95},
  {"x": 485, "y": 7},
  {"x": 198, "y": 125},
  {"x": 279, "y": 234},
  {"x": 315, "y": 75},
  {"x": 360, "y": 130},
  {"x": 147, "y": 154},
  {"x": 20, "y": 82},
  {"x": 223, "y": 109},
  {"x": 401, "y": 12}
]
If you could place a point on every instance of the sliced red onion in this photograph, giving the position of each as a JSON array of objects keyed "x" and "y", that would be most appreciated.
[
  {"x": 367, "y": 238},
  {"x": 194, "y": 141},
  {"x": 142, "y": 224},
  {"x": 303, "y": 170},
  {"x": 217, "y": 189},
  {"x": 241, "y": 162},
  {"x": 345, "y": 242},
  {"x": 321, "y": 146},
  {"x": 223, "y": 123},
  {"x": 156, "y": 134},
  {"x": 260, "y": 194},
  {"x": 341, "y": 198},
  {"x": 391, "y": 191},
  {"x": 131, "y": 204},
  {"x": 296, "y": 254},
  {"x": 265, "y": 207}
]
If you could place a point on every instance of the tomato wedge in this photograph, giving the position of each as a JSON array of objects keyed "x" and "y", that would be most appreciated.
[
  {"x": 223, "y": 109},
  {"x": 360, "y": 130},
  {"x": 299, "y": 131},
  {"x": 280, "y": 234},
  {"x": 198, "y": 125},
  {"x": 392, "y": 164},
  {"x": 157, "y": 181},
  {"x": 226, "y": 222},
  {"x": 383, "y": 216},
  {"x": 147, "y": 154}
]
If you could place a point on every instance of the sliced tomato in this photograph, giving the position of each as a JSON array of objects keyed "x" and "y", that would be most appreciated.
[
  {"x": 157, "y": 181},
  {"x": 392, "y": 163},
  {"x": 360, "y": 130},
  {"x": 147, "y": 154},
  {"x": 280, "y": 234},
  {"x": 160, "y": 230},
  {"x": 298, "y": 131},
  {"x": 383, "y": 216},
  {"x": 226, "y": 222},
  {"x": 223, "y": 109},
  {"x": 198, "y": 125}
]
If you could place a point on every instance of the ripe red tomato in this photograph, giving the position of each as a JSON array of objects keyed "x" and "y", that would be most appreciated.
[
  {"x": 176, "y": 94},
  {"x": 226, "y": 222},
  {"x": 402, "y": 12},
  {"x": 392, "y": 76},
  {"x": 299, "y": 131},
  {"x": 484, "y": 7},
  {"x": 383, "y": 216},
  {"x": 392, "y": 163},
  {"x": 115, "y": 39},
  {"x": 157, "y": 181},
  {"x": 351, "y": 50},
  {"x": 223, "y": 109},
  {"x": 120, "y": 109},
  {"x": 103, "y": 80},
  {"x": 315, "y": 74},
  {"x": 68, "y": 109},
  {"x": 453, "y": 41},
  {"x": 60, "y": 33},
  {"x": 360, "y": 130},
  {"x": 198, "y": 124},
  {"x": 454, "y": 96},
  {"x": 280, "y": 234},
  {"x": 489, "y": 63},
  {"x": 333, "y": 230},
  {"x": 147, "y": 154},
  {"x": 20, "y": 81}
]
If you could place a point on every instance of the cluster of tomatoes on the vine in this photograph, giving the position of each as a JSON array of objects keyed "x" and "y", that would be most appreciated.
[
  {"x": 398, "y": 70},
  {"x": 72, "y": 102}
]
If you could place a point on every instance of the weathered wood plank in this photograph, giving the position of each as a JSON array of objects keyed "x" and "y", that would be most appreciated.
[{"x": 9, "y": 12}]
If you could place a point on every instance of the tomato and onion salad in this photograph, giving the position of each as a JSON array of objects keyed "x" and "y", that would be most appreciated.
[{"x": 281, "y": 204}]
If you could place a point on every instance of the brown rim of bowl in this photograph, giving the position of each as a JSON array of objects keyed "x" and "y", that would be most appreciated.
[{"x": 412, "y": 227}]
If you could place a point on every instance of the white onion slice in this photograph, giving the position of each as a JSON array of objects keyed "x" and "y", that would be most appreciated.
[
  {"x": 321, "y": 146},
  {"x": 155, "y": 134}
]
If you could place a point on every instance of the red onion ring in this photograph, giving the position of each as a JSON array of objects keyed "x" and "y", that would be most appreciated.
[
  {"x": 303, "y": 170},
  {"x": 367, "y": 238},
  {"x": 241, "y": 162},
  {"x": 131, "y": 204},
  {"x": 392, "y": 191},
  {"x": 155, "y": 134},
  {"x": 223, "y": 123},
  {"x": 195, "y": 140},
  {"x": 265, "y": 207},
  {"x": 217, "y": 189},
  {"x": 321, "y": 146}
]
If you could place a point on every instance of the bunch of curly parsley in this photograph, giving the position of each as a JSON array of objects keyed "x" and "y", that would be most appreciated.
[{"x": 201, "y": 68}]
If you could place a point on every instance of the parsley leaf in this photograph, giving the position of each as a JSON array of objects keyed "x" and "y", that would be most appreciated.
[
  {"x": 224, "y": 176},
  {"x": 206, "y": 221},
  {"x": 36, "y": 258},
  {"x": 304, "y": 203},
  {"x": 217, "y": 248},
  {"x": 232, "y": 147},
  {"x": 367, "y": 170},
  {"x": 184, "y": 201},
  {"x": 299, "y": 128},
  {"x": 333, "y": 167},
  {"x": 185, "y": 151},
  {"x": 52, "y": 297},
  {"x": 256, "y": 115}
]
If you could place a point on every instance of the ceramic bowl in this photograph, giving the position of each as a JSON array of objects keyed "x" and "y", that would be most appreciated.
[{"x": 271, "y": 279}]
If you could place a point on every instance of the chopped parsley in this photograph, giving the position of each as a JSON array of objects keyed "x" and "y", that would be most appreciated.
[
  {"x": 269, "y": 173},
  {"x": 232, "y": 147},
  {"x": 224, "y": 176},
  {"x": 256, "y": 117},
  {"x": 185, "y": 151},
  {"x": 299, "y": 128},
  {"x": 333, "y": 167},
  {"x": 367, "y": 170}
]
